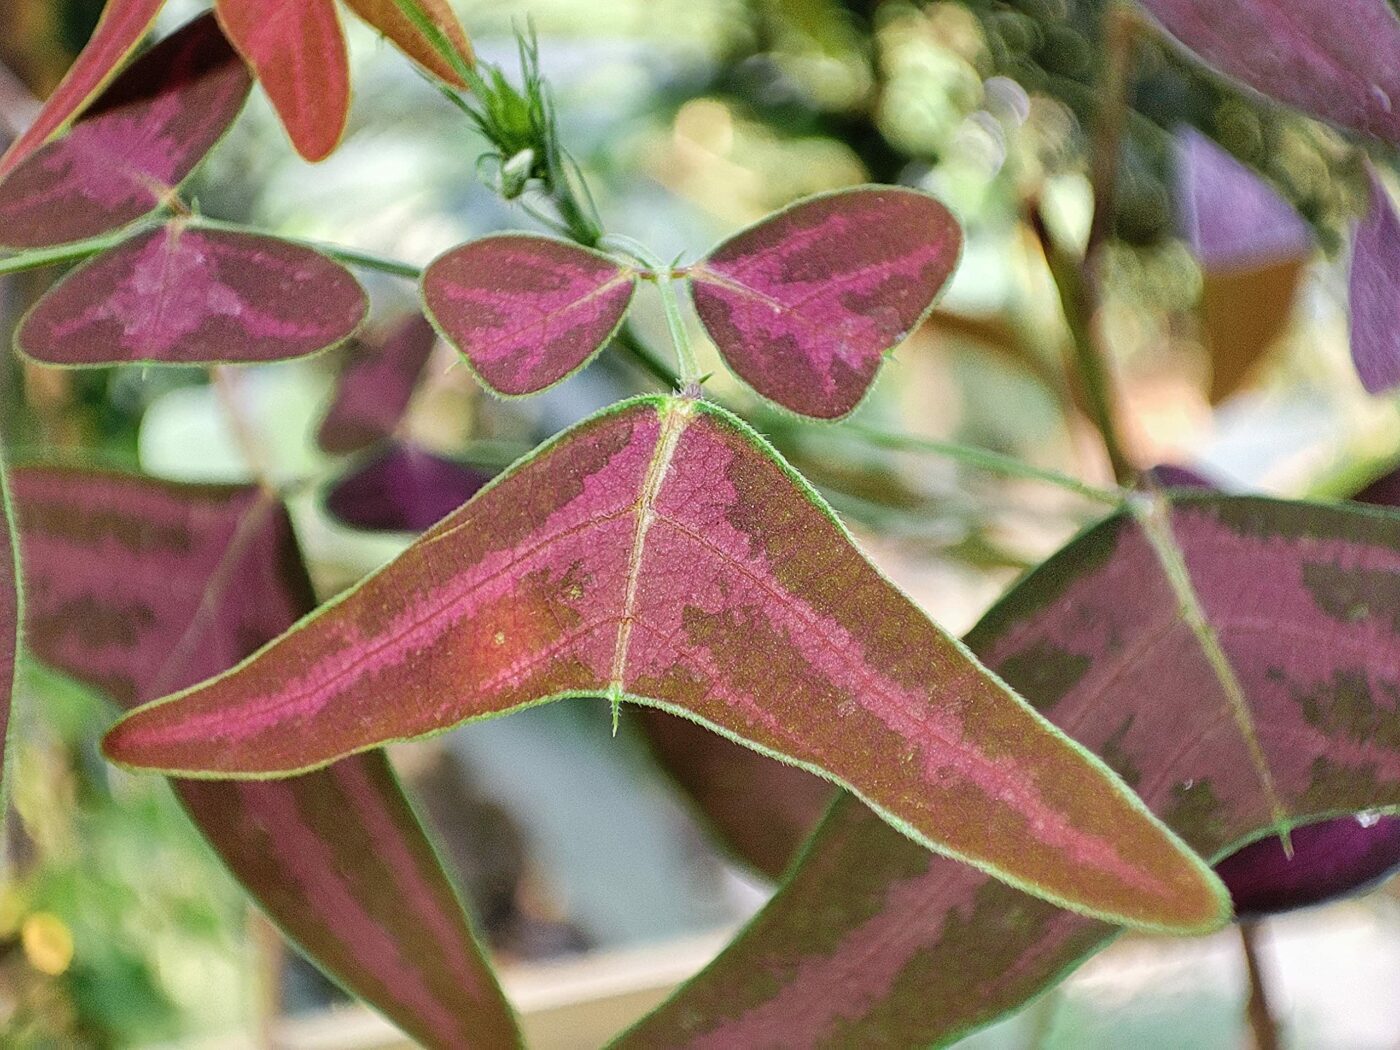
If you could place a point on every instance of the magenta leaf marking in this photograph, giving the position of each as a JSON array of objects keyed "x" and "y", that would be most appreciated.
[
  {"x": 376, "y": 385},
  {"x": 139, "y": 586},
  {"x": 872, "y": 942},
  {"x": 1335, "y": 59},
  {"x": 119, "y": 29},
  {"x": 1330, "y": 859},
  {"x": 1232, "y": 218},
  {"x": 804, "y": 305},
  {"x": 134, "y": 146},
  {"x": 660, "y": 552},
  {"x": 402, "y": 488},
  {"x": 1375, "y": 294},
  {"x": 183, "y": 295},
  {"x": 526, "y": 311}
]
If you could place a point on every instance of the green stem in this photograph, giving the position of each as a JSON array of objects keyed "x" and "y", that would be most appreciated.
[
  {"x": 438, "y": 39},
  {"x": 338, "y": 252},
  {"x": 982, "y": 459},
  {"x": 66, "y": 253},
  {"x": 680, "y": 337}
]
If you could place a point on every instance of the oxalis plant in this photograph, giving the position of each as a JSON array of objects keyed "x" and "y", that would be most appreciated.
[{"x": 1198, "y": 687}]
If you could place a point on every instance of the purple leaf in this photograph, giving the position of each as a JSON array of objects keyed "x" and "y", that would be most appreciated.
[
  {"x": 376, "y": 385},
  {"x": 1331, "y": 859},
  {"x": 134, "y": 146},
  {"x": 1335, "y": 59},
  {"x": 659, "y": 552},
  {"x": 1375, "y": 294},
  {"x": 119, "y": 29},
  {"x": 872, "y": 942},
  {"x": 805, "y": 305},
  {"x": 184, "y": 295},
  {"x": 139, "y": 586},
  {"x": 402, "y": 488},
  {"x": 760, "y": 809},
  {"x": 1231, "y": 218},
  {"x": 526, "y": 311}
]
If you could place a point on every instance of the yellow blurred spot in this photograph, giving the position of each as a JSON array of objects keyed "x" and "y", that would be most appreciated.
[
  {"x": 48, "y": 943},
  {"x": 706, "y": 123}
]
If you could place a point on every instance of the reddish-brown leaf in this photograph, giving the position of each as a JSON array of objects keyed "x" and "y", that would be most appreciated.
[
  {"x": 402, "y": 488},
  {"x": 660, "y": 552},
  {"x": 120, "y": 28},
  {"x": 526, "y": 311},
  {"x": 389, "y": 19},
  {"x": 185, "y": 295},
  {"x": 376, "y": 385},
  {"x": 136, "y": 144},
  {"x": 874, "y": 942},
  {"x": 298, "y": 53},
  {"x": 139, "y": 586},
  {"x": 1374, "y": 294},
  {"x": 805, "y": 305}
]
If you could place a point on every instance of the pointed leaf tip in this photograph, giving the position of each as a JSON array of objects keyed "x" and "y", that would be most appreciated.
[
  {"x": 184, "y": 295},
  {"x": 804, "y": 305},
  {"x": 387, "y": 17},
  {"x": 298, "y": 52},
  {"x": 526, "y": 311},
  {"x": 119, "y": 29},
  {"x": 1374, "y": 294},
  {"x": 661, "y": 552},
  {"x": 135, "y": 145}
]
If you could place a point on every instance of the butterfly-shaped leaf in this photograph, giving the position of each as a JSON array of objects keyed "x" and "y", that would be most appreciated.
[
  {"x": 184, "y": 295},
  {"x": 298, "y": 53},
  {"x": 1251, "y": 245},
  {"x": 139, "y": 586},
  {"x": 388, "y": 17},
  {"x": 760, "y": 809},
  {"x": 526, "y": 311},
  {"x": 402, "y": 488},
  {"x": 873, "y": 942},
  {"x": 376, "y": 385},
  {"x": 119, "y": 29},
  {"x": 661, "y": 553},
  {"x": 1374, "y": 302},
  {"x": 1335, "y": 59},
  {"x": 133, "y": 147},
  {"x": 805, "y": 305}
]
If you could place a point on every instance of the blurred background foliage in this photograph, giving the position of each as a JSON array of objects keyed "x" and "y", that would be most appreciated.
[{"x": 688, "y": 118}]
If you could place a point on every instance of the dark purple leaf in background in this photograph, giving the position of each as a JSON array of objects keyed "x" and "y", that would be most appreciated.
[
  {"x": 402, "y": 488},
  {"x": 1335, "y": 59},
  {"x": 376, "y": 385},
  {"x": 139, "y": 586},
  {"x": 526, "y": 311},
  {"x": 1330, "y": 859},
  {"x": 184, "y": 295},
  {"x": 760, "y": 809},
  {"x": 804, "y": 305},
  {"x": 1375, "y": 294},
  {"x": 1171, "y": 476},
  {"x": 134, "y": 146},
  {"x": 1232, "y": 218}
]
